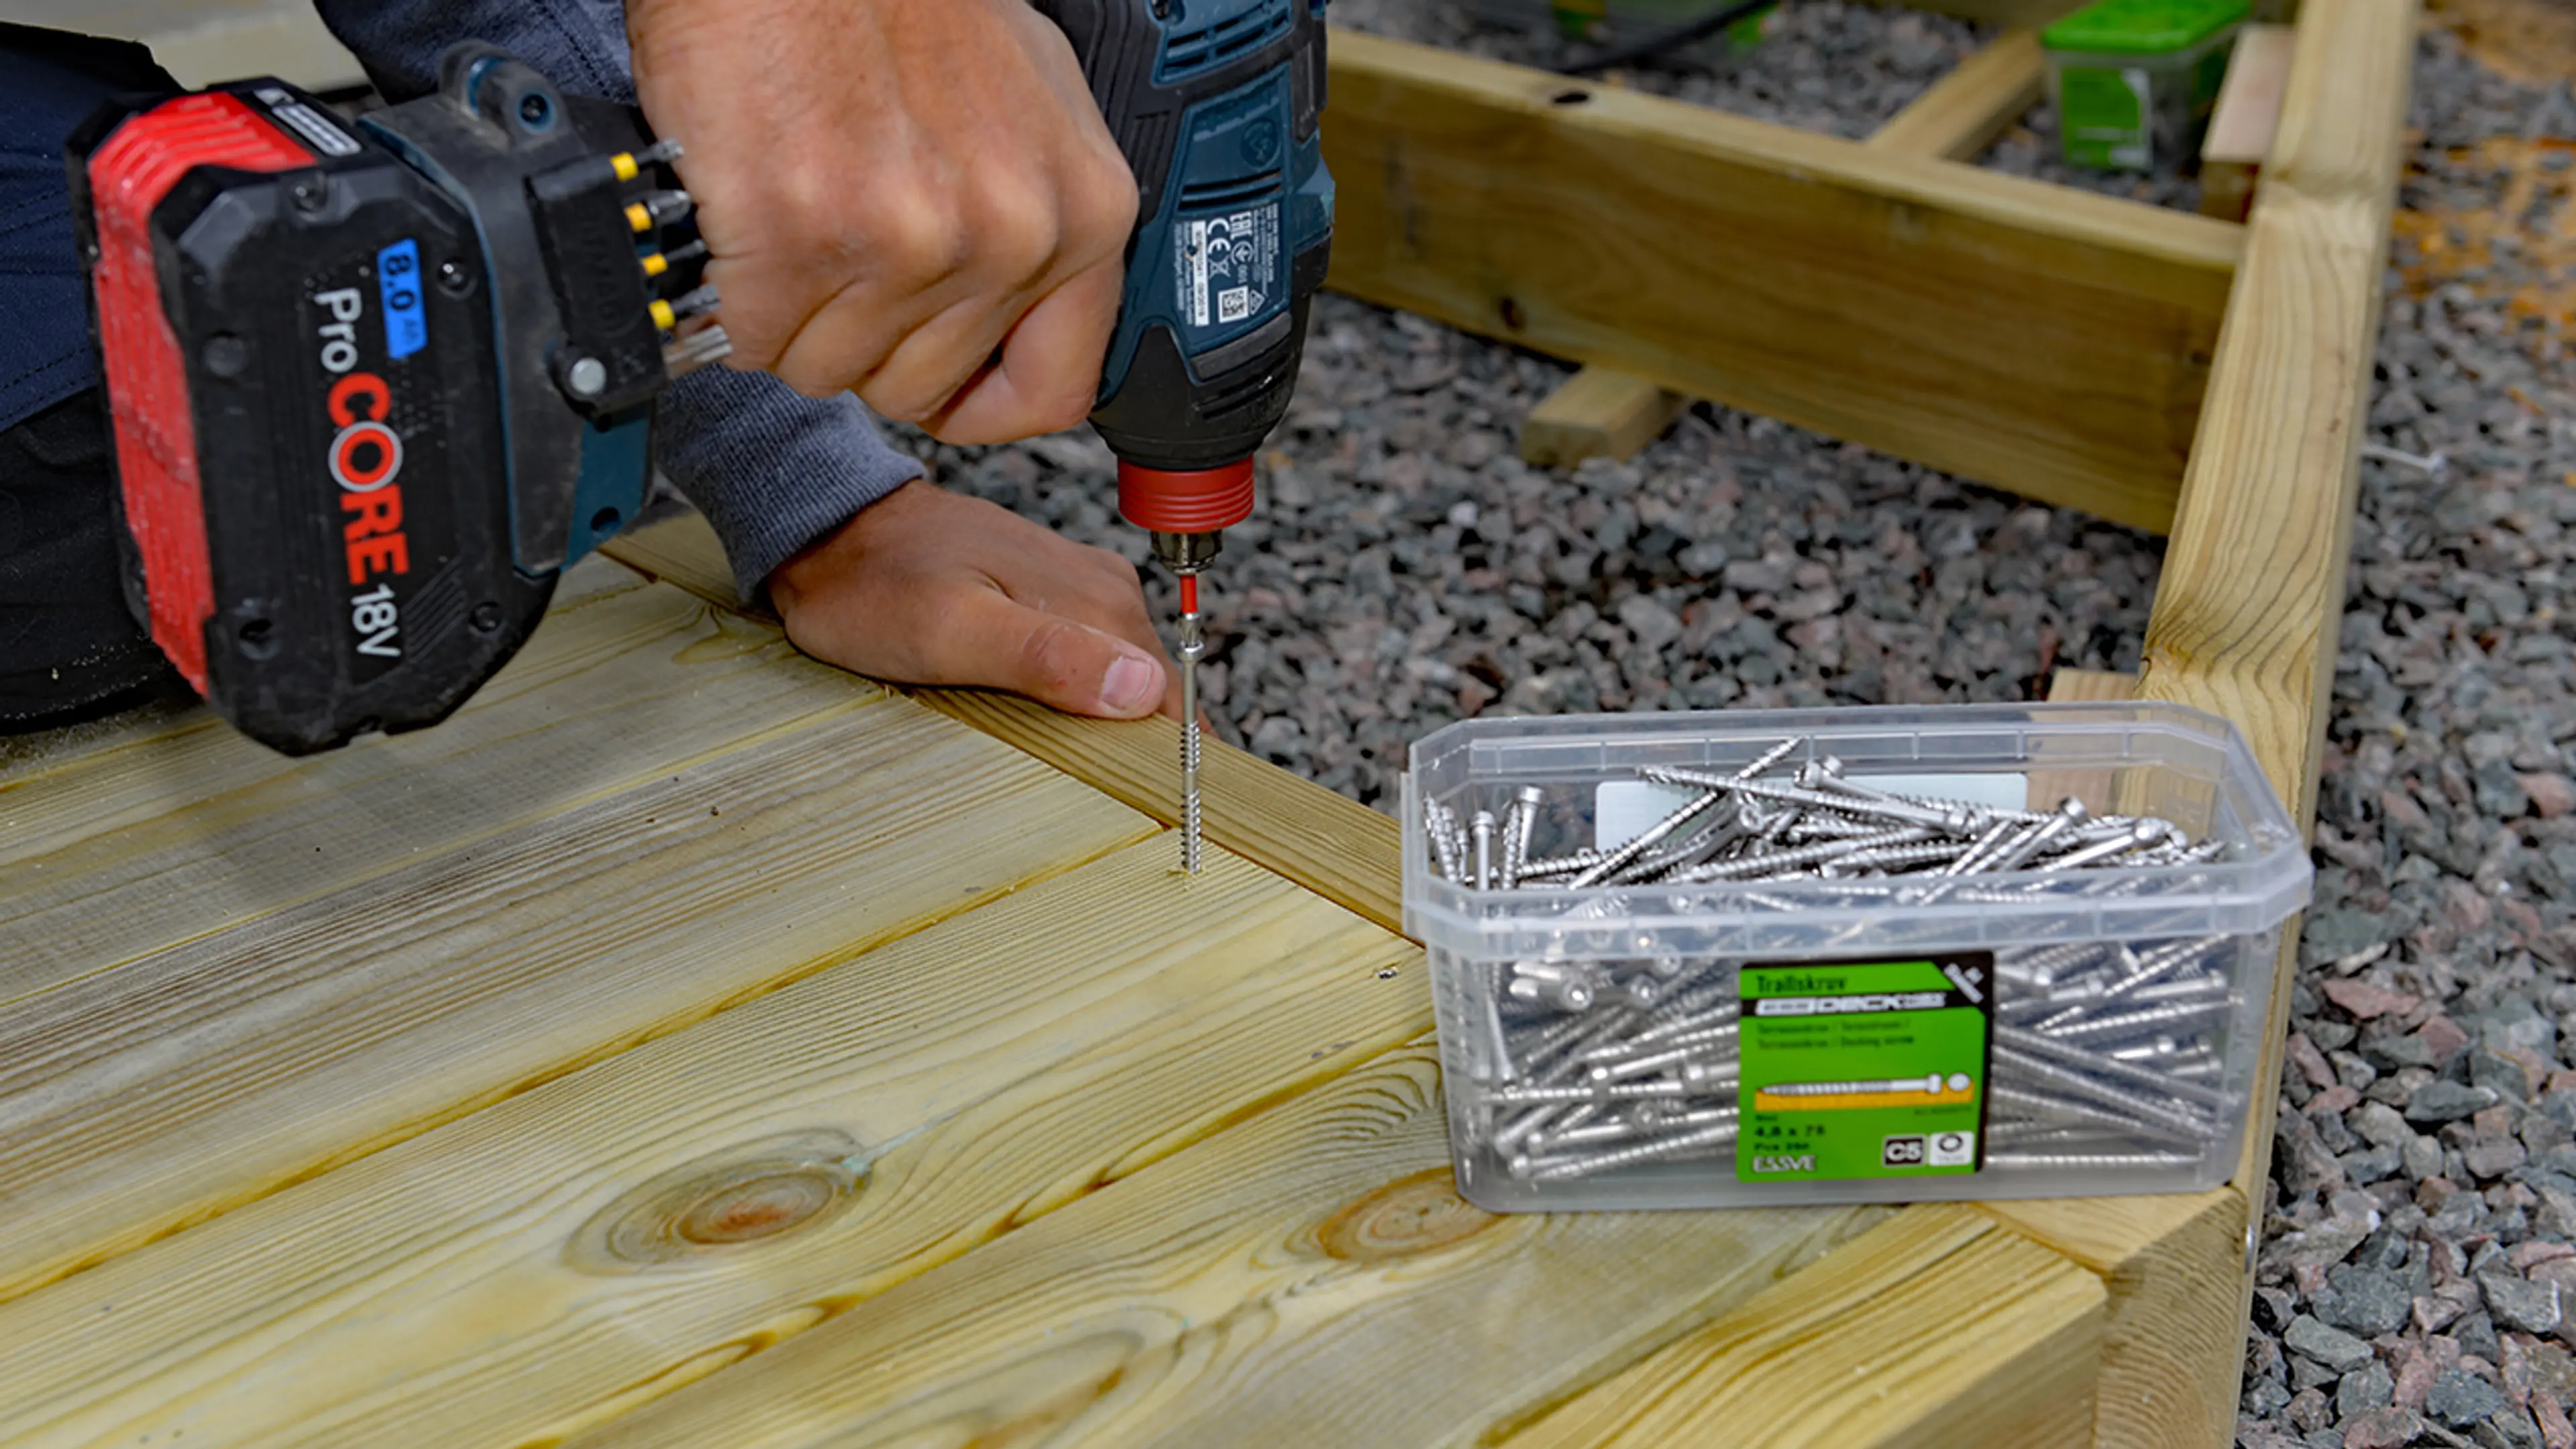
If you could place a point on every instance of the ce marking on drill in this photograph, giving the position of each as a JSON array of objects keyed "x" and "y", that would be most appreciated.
[{"x": 1225, "y": 261}]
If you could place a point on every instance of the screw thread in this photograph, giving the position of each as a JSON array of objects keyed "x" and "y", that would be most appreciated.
[{"x": 1192, "y": 646}]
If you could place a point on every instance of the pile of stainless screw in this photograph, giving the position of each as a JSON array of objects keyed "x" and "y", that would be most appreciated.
[{"x": 2105, "y": 1056}]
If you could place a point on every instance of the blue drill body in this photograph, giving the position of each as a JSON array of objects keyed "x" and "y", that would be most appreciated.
[{"x": 1216, "y": 105}]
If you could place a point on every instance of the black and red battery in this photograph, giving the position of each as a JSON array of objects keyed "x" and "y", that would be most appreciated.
[{"x": 375, "y": 384}]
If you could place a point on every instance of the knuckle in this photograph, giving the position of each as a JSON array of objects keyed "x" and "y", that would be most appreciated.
[
  {"x": 1051, "y": 656},
  {"x": 1021, "y": 227},
  {"x": 919, "y": 238}
]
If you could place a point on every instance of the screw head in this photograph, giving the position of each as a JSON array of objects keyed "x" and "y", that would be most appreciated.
[{"x": 454, "y": 279}]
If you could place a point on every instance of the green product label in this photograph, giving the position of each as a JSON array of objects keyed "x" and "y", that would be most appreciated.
[
  {"x": 2102, "y": 117},
  {"x": 1864, "y": 1069}
]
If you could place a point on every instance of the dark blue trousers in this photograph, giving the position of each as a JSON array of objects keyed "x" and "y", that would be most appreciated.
[{"x": 69, "y": 647}]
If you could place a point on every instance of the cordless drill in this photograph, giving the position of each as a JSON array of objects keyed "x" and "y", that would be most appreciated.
[
  {"x": 1217, "y": 105},
  {"x": 375, "y": 384}
]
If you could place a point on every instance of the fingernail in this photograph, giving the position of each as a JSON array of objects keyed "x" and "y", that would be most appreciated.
[{"x": 1131, "y": 685}]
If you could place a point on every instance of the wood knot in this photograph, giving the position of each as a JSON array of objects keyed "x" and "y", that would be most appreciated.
[
  {"x": 1411, "y": 1215},
  {"x": 725, "y": 1202}
]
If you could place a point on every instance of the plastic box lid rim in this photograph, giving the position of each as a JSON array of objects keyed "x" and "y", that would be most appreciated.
[
  {"x": 2254, "y": 893},
  {"x": 2142, "y": 27}
]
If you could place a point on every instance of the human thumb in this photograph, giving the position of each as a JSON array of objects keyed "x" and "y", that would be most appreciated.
[{"x": 1074, "y": 667}]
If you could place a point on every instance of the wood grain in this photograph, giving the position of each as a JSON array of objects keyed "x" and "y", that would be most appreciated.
[
  {"x": 2174, "y": 1321},
  {"x": 180, "y": 713},
  {"x": 1308, "y": 1277},
  {"x": 2242, "y": 125},
  {"x": 193, "y": 830},
  {"x": 2246, "y": 622},
  {"x": 1600, "y": 412},
  {"x": 1934, "y": 1329},
  {"x": 1961, "y": 114},
  {"x": 2091, "y": 686},
  {"x": 1328, "y": 843},
  {"x": 2043, "y": 340},
  {"x": 137, "y": 1101},
  {"x": 456, "y": 1289},
  {"x": 683, "y": 551}
]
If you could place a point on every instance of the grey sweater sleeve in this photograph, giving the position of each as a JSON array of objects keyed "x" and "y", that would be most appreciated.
[{"x": 772, "y": 469}]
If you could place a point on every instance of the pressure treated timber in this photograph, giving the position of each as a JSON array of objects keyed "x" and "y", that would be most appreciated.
[
  {"x": 2247, "y": 617},
  {"x": 2091, "y": 686},
  {"x": 136, "y": 1101},
  {"x": 1961, "y": 114},
  {"x": 1966, "y": 1336},
  {"x": 2046, "y": 341},
  {"x": 1308, "y": 1277},
  {"x": 982, "y": 1073},
  {"x": 1602, "y": 412},
  {"x": 1599, "y": 412},
  {"x": 2247, "y": 114},
  {"x": 199, "y": 828},
  {"x": 1332, "y": 845}
]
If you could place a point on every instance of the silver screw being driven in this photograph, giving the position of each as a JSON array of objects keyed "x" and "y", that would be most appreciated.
[{"x": 1193, "y": 645}]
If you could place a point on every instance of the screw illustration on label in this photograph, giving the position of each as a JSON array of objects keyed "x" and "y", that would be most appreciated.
[{"x": 1864, "y": 1069}]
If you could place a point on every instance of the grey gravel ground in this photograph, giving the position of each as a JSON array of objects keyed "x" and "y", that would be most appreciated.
[
  {"x": 1822, "y": 65},
  {"x": 2417, "y": 1279}
]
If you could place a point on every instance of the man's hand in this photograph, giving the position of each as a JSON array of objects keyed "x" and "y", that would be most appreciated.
[
  {"x": 915, "y": 200},
  {"x": 931, "y": 587}
]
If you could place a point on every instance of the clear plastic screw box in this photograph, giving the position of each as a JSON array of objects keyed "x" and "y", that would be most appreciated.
[{"x": 1851, "y": 1037}]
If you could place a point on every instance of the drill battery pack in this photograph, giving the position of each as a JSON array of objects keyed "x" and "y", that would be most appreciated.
[{"x": 373, "y": 383}]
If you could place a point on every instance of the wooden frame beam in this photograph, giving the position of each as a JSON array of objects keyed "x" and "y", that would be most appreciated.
[
  {"x": 2054, "y": 343},
  {"x": 1963, "y": 112},
  {"x": 2247, "y": 617},
  {"x": 1602, "y": 412}
]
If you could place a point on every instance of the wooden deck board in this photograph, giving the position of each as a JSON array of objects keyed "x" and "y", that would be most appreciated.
[
  {"x": 1309, "y": 1277},
  {"x": 455, "y": 1290},
  {"x": 196, "y": 828},
  {"x": 1963, "y": 1335},
  {"x": 138, "y": 1100},
  {"x": 1328, "y": 843}
]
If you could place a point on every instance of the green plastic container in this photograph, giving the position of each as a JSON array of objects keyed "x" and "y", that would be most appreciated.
[{"x": 2134, "y": 80}]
